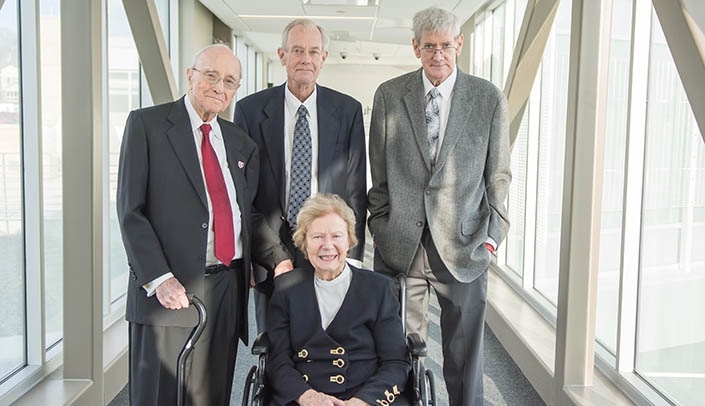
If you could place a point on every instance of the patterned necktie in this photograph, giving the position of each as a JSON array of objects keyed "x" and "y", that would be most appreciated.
[
  {"x": 222, "y": 211},
  {"x": 300, "y": 182},
  {"x": 433, "y": 123}
]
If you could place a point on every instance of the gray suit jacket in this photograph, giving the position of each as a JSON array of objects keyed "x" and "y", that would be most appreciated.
[
  {"x": 461, "y": 200},
  {"x": 163, "y": 209}
]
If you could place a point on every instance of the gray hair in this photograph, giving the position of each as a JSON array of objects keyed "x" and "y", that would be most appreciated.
[
  {"x": 308, "y": 24},
  {"x": 434, "y": 19}
]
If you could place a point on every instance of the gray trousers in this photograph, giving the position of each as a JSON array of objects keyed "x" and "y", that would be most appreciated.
[{"x": 462, "y": 321}]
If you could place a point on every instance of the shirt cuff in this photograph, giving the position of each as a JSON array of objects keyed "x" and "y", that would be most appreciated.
[
  {"x": 151, "y": 287},
  {"x": 354, "y": 262},
  {"x": 492, "y": 243}
]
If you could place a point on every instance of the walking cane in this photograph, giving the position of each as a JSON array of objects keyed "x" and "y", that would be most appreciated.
[{"x": 188, "y": 348}]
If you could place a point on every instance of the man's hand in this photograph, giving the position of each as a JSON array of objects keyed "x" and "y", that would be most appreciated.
[
  {"x": 313, "y": 398},
  {"x": 172, "y": 295},
  {"x": 283, "y": 267}
]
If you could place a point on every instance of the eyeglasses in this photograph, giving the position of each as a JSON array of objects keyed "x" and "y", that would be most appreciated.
[
  {"x": 431, "y": 50},
  {"x": 213, "y": 78}
]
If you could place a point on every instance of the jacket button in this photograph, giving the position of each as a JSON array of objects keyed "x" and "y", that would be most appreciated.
[
  {"x": 204, "y": 226},
  {"x": 419, "y": 224},
  {"x": 339, "y": 379}
]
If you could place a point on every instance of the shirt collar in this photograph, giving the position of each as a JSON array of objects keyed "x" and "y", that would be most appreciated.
[
  {"x": 292, "y": 103},
  {"x": 195, "y": 119},
  {"x": 445, "y": 88},
  {"x": 344, "y": 276}
]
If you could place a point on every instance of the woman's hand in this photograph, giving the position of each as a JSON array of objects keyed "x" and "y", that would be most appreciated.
[
  {"x": 313, "y": 398},
  {"x": 355, "y": 402}
]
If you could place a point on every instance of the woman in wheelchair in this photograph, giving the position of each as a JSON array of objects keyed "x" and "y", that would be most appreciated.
[{"x": 335, "y": 334}]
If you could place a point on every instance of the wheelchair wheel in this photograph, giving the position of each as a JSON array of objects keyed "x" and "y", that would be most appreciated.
[
  {"x": 250, "y": 389},
  {"x": 430, "y": 386},
  {"x": 426, "y": 386}
]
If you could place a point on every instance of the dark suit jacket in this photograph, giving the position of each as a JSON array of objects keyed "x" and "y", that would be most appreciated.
[
  {"x": 163, "y": 210},
  {"x": 365, "y": 340},
  {"x": 461, "y": 199},
  {"x": 341, "y": 157}
]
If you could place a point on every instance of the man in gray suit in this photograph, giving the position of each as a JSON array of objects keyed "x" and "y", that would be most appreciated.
[
  {"x": 186, "y": 183},
  {"x": 439, "y": 155}
]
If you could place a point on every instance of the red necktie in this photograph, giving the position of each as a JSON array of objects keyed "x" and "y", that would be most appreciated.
[{"x": 222, "y": 212}]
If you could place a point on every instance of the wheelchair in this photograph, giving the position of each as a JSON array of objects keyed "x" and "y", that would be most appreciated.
[{"x": 420, "y": 388}]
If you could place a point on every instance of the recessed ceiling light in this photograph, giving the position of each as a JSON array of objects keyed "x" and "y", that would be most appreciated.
[{"x": 360, "y": 3}]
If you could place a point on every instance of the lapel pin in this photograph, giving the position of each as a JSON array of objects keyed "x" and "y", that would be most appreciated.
[{"x": 240, "y": 164}]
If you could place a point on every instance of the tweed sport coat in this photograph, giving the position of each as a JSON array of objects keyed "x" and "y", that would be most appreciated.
[{"x": 461, "y": 199}]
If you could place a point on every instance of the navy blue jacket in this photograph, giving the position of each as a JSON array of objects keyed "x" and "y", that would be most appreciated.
[
  {"x": 361, "y": 354},
  {"x": 341, "y": 159}
]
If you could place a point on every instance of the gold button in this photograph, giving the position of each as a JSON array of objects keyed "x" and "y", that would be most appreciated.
[
  {"x": 303, "y": 353},
  {"x": 305, "y": 377},
  {"x": 338, "y": 351},
  {"x": 339, "y": 363},
  {"x": 339, "y": 379}
]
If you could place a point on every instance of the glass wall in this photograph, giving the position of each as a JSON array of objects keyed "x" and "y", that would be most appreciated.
[
  {"x": 12, "y": 288},
  {"x": 670, "y": 333},
  {"x": 668, "y": 340}
]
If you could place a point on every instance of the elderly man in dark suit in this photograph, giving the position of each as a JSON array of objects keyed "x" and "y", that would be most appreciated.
[
  {"x": 439, "y": 155},
  {"x": 185, "y": 187},
  {"x": 311, "y": 139}
]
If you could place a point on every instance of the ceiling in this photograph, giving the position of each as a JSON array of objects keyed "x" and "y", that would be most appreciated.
[{"x": 363, "y": 31}]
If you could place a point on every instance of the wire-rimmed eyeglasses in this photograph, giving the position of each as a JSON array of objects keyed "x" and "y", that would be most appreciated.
[
  {"x": 431, "y": 49},
  {"x": 213, "y": 78}
]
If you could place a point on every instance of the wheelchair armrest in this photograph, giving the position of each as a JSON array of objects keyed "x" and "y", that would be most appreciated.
[
  {"x": 261, "y": 344},
  {"x": 416, "y": 345}
]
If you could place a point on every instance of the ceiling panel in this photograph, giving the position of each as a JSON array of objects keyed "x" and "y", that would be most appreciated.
[{"x": 358, "y": 31}]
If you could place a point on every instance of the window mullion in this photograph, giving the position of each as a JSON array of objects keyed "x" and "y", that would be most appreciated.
[{"x": 633, "y": 191}]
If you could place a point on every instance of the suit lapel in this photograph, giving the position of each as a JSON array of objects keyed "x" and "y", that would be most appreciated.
[
  {"x": 414, "y": 102},
  {"x": 272, "y": 128},
  {"x": 236, "y": 164},
  {"x": 181, "y": 138},
  {"x": 328, "y": 129},
  {"x": 458, "y": 119}
]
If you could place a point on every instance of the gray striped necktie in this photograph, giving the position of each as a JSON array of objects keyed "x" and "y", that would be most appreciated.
[
  {"x": 300, "y": 180},
  {"x": 433, "y": 123}
]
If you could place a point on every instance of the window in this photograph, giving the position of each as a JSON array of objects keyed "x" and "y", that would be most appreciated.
[
  {"x": 613, "y": 176},
  {"x": 12, "y": 289},
  {"x": 499, "y": 21},
  {"x": 50, "y": 48},
  {"x": 123, "y": 97},
  {"x": 551, "y": 142},
  {"x": 670, "y": 332}
]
